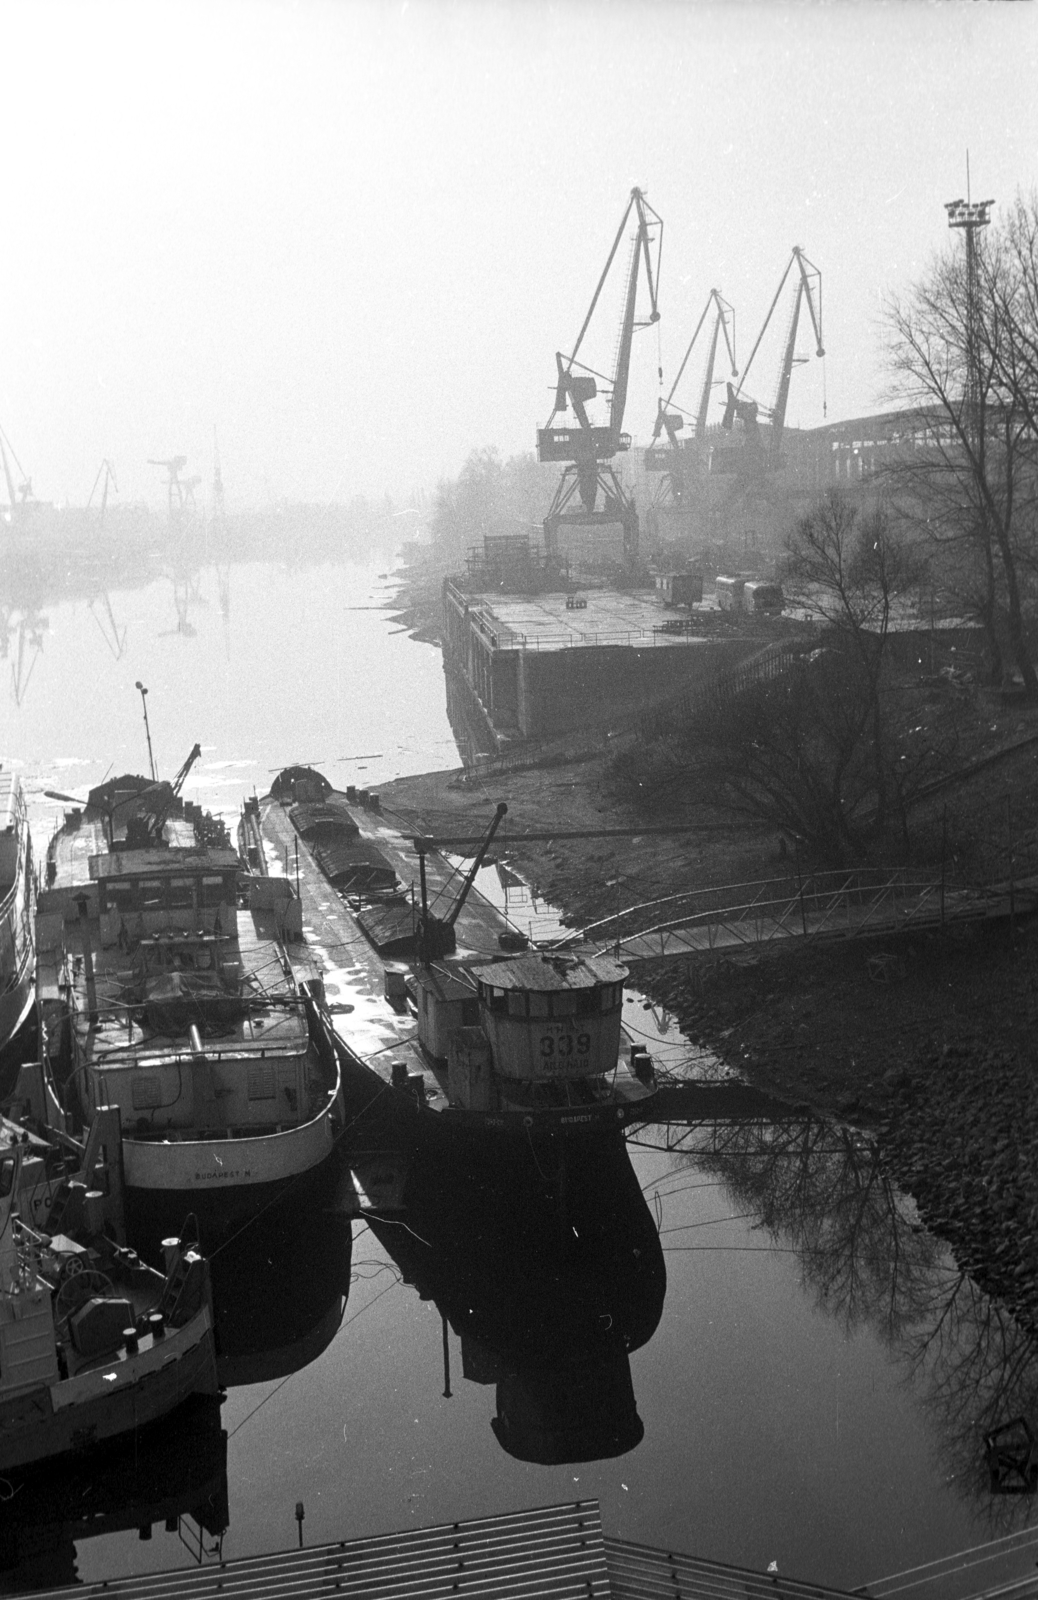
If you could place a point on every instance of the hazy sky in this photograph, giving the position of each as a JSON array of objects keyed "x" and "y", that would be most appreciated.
[{"x": 352, "y": 234}]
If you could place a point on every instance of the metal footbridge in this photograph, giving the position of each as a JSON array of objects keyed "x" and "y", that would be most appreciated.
[{"x": 853, "y": 903}]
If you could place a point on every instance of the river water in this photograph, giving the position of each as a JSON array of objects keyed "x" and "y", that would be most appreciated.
[{"x": 811, "y": 1377}]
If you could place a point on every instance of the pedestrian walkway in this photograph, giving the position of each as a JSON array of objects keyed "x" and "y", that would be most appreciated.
[{"x": 821, "y": 905}]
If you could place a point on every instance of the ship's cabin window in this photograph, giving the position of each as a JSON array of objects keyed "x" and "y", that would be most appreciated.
[
  {"x": 181, "y": 894},
  {"x": 561, "y": 1003},
  {"x": 179, "y": 958},
  {"x": 213, "y": 891},
  {"x": 610, "y": 996},
  {"x": 7, "y": 1167},
  {"x": 120, "y": 896},
  {"x": 152, "y": 894}
]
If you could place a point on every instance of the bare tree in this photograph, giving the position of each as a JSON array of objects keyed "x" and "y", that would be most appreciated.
[
  {"x": 850, "y": 570},
  {"x": 958, "y": 350}
]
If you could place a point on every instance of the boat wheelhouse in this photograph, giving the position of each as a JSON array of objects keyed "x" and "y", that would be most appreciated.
[
  {"x": 430, "y": 1007},
  {"x": 537, "y": 1033},
  {"x": 163, "y": 996}
]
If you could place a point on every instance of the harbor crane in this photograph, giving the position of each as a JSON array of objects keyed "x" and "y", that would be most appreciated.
[
  {"x": 175, "y": 487},
  {"x": 587, "y": 450},
  {"x": 19, "y": 495},
  {"x": 808, "y": 282},
  {"x": 672, "y": 459},
  {"x": 105, "y": 477}
]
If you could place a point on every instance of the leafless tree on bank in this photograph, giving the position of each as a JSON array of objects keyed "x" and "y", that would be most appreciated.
[{"x": 963, "y": 347}]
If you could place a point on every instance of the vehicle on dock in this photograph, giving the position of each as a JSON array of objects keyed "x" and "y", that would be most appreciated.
[
  {"x": 93, "y": 1343},
  {"x": 166, "y": 990},
  {"x": 448, "y": 1011},
  {"x": 17, "y": 907}
]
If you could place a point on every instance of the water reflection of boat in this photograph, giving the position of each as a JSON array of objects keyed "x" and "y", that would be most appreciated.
[
  {"x": 17, "y": 946},
  {"x": 549, "y": 1277},
  {"x": 280, "y": 1290},
  {"x": 175, "y": 1476},
  {"x": 161, "y": 995},
  {"x": 488, "y": 1036}
]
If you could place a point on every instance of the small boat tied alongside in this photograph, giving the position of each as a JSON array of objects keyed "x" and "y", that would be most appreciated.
[
  {"x": 450, "y": 1014},
  {"x": 165, "y": 990},
  {"x": 94, "y": 1344}
]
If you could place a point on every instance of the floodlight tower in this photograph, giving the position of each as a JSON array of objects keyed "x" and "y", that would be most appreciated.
[{"x": 970, "y": 216}]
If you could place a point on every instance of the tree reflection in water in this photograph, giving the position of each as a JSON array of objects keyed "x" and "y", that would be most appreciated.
[{"x": 827, "y": 1193}]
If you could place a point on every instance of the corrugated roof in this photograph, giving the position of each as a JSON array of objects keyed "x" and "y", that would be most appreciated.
[
  {"x": 554, "y": 1553},
  {"x": 543, "y": 973},
  {"x": 638, "y": 1572}
]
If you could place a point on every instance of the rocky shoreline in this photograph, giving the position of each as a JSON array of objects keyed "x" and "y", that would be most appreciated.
[{"x": 930, "y": 1049}]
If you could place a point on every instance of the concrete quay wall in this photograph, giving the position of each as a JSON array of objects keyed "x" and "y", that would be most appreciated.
[{"x": 562, "y": 690}]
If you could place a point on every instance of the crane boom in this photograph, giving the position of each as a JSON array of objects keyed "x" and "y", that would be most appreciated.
[
  {"x": 809, "y": 280},
  {"x": 804, "y": 292},
  {"x": 640, "y": 254},
  {"x": 720, "y": 326},
  {"x": 7, "y": 476}
]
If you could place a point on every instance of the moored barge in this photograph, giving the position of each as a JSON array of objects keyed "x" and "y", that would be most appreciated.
[
  {"x": 482, "y": 1037},
  {"x": 166, "y": 990}
]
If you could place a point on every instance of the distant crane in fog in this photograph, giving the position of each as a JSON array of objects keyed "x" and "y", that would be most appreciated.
[
  {"x": 174, "y": 486},
  {"x": 808, "y": 287},
  {"x": 673, "y": 457},
  {"x": 18, "y": 495},
  {"x": 105, "y": 476}
]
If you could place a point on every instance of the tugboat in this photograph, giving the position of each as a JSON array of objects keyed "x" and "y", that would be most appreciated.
[
  {"x": 17, "y": 949},
  {"x": 466, "y": 1022},
  {"x": 93, "y": 1343},
  {"x": 166, "y": 990}
]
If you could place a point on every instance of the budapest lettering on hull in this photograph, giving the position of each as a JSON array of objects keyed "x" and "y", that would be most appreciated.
[{"x": 208, "y": 1177}]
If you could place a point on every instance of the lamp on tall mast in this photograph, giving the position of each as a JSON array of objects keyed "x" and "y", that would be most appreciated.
[{"x": 969, "y": 216}]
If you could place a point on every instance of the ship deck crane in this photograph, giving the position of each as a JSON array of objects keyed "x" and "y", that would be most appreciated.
[
  {"x": 587, "y": 450},
  {"x": 809, "y": 289},
  {"x": 435, "y": 935},
  {"x": 671, "y": 419}
]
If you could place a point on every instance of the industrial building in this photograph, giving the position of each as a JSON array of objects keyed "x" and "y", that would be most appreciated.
[{"x": 540, "y": 664}]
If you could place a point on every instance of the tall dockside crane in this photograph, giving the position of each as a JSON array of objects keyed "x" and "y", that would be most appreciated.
[
  {"x": 674, "y": 458},
  {"x": 176, "y": 487},
  {"x": 808, "y": 288},
  {"x": 586, "y": 449}
]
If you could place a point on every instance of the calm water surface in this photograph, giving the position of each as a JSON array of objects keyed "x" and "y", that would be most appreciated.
[{"x": 810, "y": 1374}]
